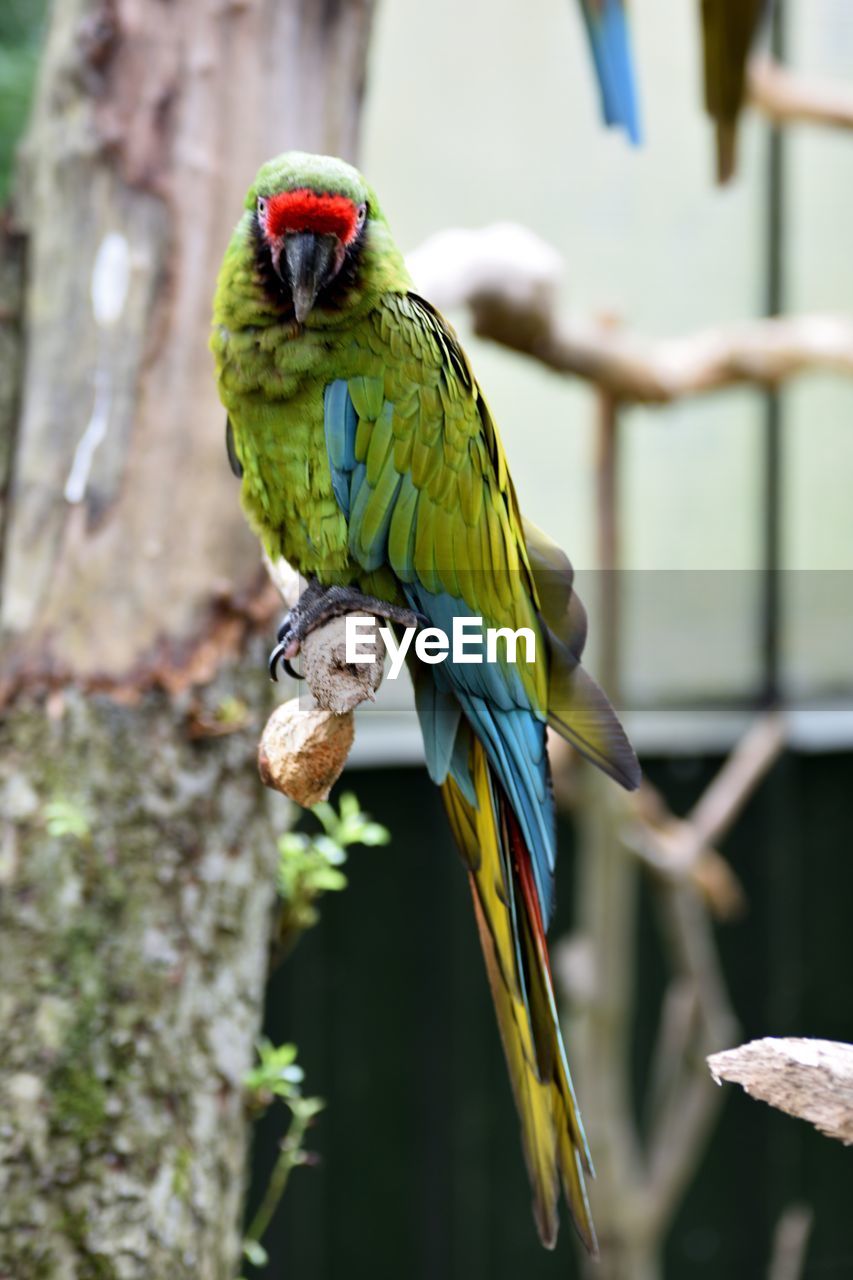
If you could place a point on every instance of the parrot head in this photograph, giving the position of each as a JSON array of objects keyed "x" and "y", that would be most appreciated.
[{"x": 310, "y": 217}]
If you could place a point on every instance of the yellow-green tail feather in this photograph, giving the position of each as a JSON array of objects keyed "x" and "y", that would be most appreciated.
[{"x": 520, "y": 981}]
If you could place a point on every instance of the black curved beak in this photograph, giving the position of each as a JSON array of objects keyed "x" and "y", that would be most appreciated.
[{"x": 310, "y": 262}]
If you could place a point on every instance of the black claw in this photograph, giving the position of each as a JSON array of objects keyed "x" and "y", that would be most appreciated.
[
  {"x": 276, "y": 656},
  {"x": 277, "y": 659}
]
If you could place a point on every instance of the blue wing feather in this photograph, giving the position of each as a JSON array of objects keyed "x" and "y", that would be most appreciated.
[
  {"x": 610, "y": 44},
  {"x": 491, "y": 696},
  {"x": 341, "y": 421},
  {"x": 500, "y": 713},
  {"x": 439, "y": 713}
]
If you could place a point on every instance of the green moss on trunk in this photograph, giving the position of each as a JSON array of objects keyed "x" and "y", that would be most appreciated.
[{"x": 136, "y": 891}]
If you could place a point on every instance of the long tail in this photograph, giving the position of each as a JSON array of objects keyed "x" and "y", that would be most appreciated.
[
  {"x": 610, "y": 44},
  {"x": 512, "y": 936},
  {"x": 729, "y": 28}
]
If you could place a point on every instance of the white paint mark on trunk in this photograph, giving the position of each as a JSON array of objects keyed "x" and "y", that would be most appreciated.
[
  {"x": 95, "y": 433},
  {"x": 108, "y": 287},
  {"x": 110, "y": 279}
]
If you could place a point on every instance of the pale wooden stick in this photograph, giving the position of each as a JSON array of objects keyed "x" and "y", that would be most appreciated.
[
  {"x": 676, "y": 847},
  {"x": 305, "y": 744},
  {"x": 812, "y": 1079},
  {"x": 787, "y": 97},
  {"x": 508, "y": 278},
  {"x": 761, "y": 352},
  {"x": 749, "y": 762},
  {"x": 790, "y": 1243}
]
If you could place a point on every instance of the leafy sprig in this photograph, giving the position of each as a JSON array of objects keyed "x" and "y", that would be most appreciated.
[{"x": 308, "y": 867}]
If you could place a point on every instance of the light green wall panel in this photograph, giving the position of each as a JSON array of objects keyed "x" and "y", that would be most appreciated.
[{"x": 481, "y": 110}]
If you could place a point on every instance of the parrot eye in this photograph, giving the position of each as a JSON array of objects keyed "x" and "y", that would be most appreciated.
[
  {"x": 262, "y": 206},
  {"x": 361, "y": 215}
]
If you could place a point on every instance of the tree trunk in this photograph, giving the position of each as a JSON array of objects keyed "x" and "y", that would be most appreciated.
[{"x": 137, "y": 853}]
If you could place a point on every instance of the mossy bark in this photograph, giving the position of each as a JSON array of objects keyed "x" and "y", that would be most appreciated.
[
  {"x": 136, "y": 847},
  {"x": 133, "y": 949}
]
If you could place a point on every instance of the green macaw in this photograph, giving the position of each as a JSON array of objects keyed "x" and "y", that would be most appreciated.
[
  {"x": 729, "y": 28},
  {"x": 370, "y": 462}
]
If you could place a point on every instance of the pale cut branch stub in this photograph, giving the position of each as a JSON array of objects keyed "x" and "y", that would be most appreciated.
[
  {"x": 811, "y": 1079},
  {"x": 305, "y": 744},
  {"x": 788, "y": 97}
]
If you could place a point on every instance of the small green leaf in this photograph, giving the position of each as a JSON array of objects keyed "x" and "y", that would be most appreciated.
[
  {"x": 328, "y": 880},
  {"x": 255, "y": 1252},
  {"x": 232, "y": 711},
  {"x": 64, "y": 818},
  {"x": 326, "y": 815},
  {"x": 276, "y": 1073},
  {"x": 373, "y": 833},
  {"x": 307, "y": 1108},
  {"x": 308, "y": 865},
  {"x": 349, "y": 806},
  {"x": 292, "y": 843},
  {"x": 330, "y": 850}
]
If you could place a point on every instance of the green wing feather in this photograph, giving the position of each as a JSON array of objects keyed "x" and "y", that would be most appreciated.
[{"x": 436, "y": 484}]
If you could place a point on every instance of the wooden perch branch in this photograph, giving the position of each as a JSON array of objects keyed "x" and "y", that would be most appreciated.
[
  {"x": 761, "y": 352},
  {"x": 811, "y": 1079},
  {"x": 722, "y": 801},
  {"x": 511, "y": 293},
  {"x": 790, "y": 1243},
  {"x": 305, "y": 744},
  {"x": 696, "y": 1013},
  {"x": 786, "y": 97},
  {"x": 681, "y": 848},
  {"x": 670, "y": 847},
  {"x": 681, "y": 1107},
  {"x": 641, "y": 1175}
]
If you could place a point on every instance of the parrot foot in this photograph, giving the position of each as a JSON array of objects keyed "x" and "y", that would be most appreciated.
[{"x": 318, "y": 605}]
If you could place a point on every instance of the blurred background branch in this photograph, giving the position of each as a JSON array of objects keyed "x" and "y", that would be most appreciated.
[
  {"x": 788, "y": 97},
  {"x": 511, "y": 294},
  {"x": 790, "y": 1243}
]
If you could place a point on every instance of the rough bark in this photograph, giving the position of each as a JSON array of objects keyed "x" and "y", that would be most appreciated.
[
  {"x": 812, "y": 1079},
  {"x": 137, "y": 850},
  {"x": 305, "y": 744},
  {"x": 151, "y": 121},
  {"x": 133, "y": 951}
]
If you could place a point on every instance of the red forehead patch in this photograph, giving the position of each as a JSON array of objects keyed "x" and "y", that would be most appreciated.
[{"x": 305, "y": 210}]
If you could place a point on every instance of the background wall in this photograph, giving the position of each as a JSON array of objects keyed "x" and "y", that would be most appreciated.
[
  {"x": 512, "y": 133},
  {"x": 420, "y": 1171}
]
